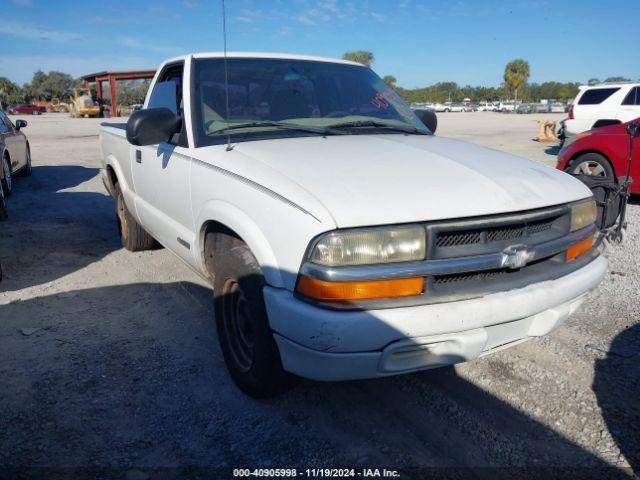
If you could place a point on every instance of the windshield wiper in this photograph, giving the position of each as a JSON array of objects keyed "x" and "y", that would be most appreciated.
[
  {"x": 283, "y": 125},
  {"x": 376, "y": 124}
]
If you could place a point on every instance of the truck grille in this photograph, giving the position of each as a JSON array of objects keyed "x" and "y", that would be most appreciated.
[
  {"x": 489, "y": 235},
  {"x": 494, "y": 234}
]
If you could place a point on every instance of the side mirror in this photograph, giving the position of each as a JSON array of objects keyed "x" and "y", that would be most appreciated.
[
  {"x": 633, "y": 129},
  {"x": 152, "y": 126},
  {"x": 428, "y": 118},
  {"x": 20, "y": 124}
]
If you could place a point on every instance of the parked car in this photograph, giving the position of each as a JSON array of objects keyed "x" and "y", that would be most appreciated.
[
  {"x": 542, "y": 108},
  {"x": 558, "y": 107},
  {"x": 342, "y": 238},
  {"x": 3, "y": 203},
  {"x": 602, "y": 152},
  {"x": 506, "y": 107},
  {"x": 25, "y": 108},
  {"x": 486, "y": 107},
  {"x": 605, "y": 104},
  {"x": 441, "y": 107},
  {"x": 14, "y": 148},
  {"x": 525, "y": 108},
  {"x": 459, "y": 107}
]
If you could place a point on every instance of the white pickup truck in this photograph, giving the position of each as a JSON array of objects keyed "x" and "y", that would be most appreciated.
[{"x": 342, "y": 238}]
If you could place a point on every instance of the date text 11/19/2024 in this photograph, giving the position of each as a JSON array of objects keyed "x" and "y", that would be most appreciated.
[{"x": 316, "y": 473}]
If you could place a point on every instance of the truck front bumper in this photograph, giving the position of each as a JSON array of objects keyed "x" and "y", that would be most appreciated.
[{"x": 324, "y": 344}]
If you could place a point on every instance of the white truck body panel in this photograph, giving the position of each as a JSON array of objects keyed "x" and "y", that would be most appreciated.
[{"x": 279, "y": 194}]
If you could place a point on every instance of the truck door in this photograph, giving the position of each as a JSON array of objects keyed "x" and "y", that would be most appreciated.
[{"x": 161, "y": 173}]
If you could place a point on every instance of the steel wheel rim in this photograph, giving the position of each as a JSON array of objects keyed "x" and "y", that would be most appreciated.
[
  {"x": 237, "y": 325},
  {"x": 590, "y": 167},
  {"x": 7, "y": 174}
]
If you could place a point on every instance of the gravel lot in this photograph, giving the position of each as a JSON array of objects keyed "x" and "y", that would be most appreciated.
[{"x": 109, "y": 360}]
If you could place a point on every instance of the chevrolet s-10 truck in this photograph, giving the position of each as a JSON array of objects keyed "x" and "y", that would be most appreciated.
[{"x": 342, "y": 238}]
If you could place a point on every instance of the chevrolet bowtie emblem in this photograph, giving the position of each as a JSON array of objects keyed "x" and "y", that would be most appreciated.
[{"x": 516, "y": 257}]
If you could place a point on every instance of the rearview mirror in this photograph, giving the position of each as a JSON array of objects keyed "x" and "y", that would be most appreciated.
[
  {"x": 428, "y": 118},
  {"x": 152, "y": 126},
  {"x": 20, "y": 124}
]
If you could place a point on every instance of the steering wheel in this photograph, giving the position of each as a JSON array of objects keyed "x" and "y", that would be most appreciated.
[{"x": 337, "y": 113}]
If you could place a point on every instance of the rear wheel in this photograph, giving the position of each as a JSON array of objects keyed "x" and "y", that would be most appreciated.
[
  {"x": 7, "y": 179},
  {"x": 591, "y": 164},
  {"x": 134, "y": 237},
  {"x": 249, "y": 349}
]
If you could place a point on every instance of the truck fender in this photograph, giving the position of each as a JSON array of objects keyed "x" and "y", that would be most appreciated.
[{"x": 237, "y": 220}]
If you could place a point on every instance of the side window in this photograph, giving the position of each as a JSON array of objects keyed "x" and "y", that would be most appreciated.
[
  {"x": 167, "y": 93},
  {"x": 633, "y": 97},
  {"x": 596, "y": 96}
]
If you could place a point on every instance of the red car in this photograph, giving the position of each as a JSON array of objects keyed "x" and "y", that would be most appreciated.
[
  {"x": 604, "y": 152},
  {"x": 26, "y": 109}
]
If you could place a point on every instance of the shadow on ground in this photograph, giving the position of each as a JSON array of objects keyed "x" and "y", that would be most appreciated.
[
  {"x": 54, "y": 228},
  {"x": 617, "y": 387},
  {"x": 108, "y": 380}
]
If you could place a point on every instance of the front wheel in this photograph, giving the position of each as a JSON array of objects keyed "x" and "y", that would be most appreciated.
[
  {"x": 591, "y": 164},
  {"x": 249, "y": 349},
  {"x": 7, "y": 179}
]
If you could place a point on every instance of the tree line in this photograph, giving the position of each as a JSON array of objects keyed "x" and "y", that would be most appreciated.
[
  {"x": 47, "y": 86},
  {"x": 515, "y": 85}
]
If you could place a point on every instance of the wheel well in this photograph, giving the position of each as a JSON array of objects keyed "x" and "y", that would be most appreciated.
[
  {"x": 217, "y": 238},
  {"x": 113, "y": 178}
]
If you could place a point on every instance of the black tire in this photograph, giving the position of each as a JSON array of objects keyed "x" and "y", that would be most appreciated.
[
  {"x": 134, "y": 238},
  {"x": 249, "y": 349},
  {"x": 3, "y": 205},
  {"x": 7, "y": 178},
  {"x": 591, "y": 164},
  {"x": 27, "y": 171}
]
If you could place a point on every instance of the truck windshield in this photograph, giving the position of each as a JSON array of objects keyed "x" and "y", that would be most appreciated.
[{"x": 270, "y": 98}]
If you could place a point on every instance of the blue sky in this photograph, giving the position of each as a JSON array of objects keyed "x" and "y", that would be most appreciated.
[{"x": 418, "y": 41}]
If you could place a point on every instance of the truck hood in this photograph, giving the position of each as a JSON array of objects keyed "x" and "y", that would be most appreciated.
[{"x": 384, "y": 179}]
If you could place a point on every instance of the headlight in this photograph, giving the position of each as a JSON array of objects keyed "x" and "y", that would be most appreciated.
[
  {"x": 369, "y": 246},
  {"x": 583, "y": 214}
]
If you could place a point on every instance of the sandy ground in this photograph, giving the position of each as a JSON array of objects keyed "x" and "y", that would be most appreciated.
[{"x": 109, "y": 360}]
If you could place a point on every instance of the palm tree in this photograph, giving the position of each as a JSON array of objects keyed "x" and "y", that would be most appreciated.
[
  {"x": 360, "y": 56},
  {"x": 516, "y": 74},
  {"x": 390, "y": 80}
]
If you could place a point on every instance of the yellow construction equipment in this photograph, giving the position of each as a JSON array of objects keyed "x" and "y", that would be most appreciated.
[{"x": 82, "y": 105}]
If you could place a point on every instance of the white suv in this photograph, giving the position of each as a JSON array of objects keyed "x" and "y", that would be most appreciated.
[{"x": 600, "y": 105}]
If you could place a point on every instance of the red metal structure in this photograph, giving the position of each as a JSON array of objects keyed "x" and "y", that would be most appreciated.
[{"x": 112, "y": 78}]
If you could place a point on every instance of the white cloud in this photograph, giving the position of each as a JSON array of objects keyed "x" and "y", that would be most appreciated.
[
  {"x": 376, "y": 16},
  {"x": 303, "y": 19},
  {"x": 16, "y": 29}
]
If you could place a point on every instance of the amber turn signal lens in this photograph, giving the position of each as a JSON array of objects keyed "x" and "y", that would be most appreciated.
[
  {"x": 366, "y": 290},
  {"x": 579, "y": 248}
]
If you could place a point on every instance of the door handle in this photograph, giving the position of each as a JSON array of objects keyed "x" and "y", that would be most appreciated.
[{"x": 138, "y": 156}]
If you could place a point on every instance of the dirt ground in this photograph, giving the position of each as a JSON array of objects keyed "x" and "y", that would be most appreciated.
[{"x": 110, "y": 365}]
